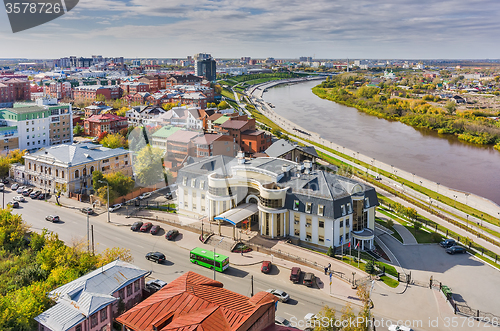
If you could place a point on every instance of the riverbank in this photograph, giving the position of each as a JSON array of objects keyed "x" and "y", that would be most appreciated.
[{"x": 468, "y": 126}]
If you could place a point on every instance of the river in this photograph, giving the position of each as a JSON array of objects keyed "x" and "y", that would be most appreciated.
[{"x": 443, "y": 159}]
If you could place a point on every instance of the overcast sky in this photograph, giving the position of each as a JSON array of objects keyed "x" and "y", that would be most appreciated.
[{"x": 411, "y": 29}]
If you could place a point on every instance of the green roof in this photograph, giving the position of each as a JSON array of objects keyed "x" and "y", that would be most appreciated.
[
  {"x": 221, "y": 120},
  {"x": 26, "y": 109},
  {"x": 166, "y": 131}
]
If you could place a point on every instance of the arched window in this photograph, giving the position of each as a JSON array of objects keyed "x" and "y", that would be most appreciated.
[
  {"x": 50, "y": 171},
  {"x": 84, "y": 172},
  {"x": 57, "y": 172},
  {"x": 91, "y": 170},
  {"x": 62, "y": 174},
  {"x": 77, "y": 174}
]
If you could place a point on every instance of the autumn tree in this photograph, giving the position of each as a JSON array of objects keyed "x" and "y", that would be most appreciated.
[
  {"x": 122, "y": 111},
  {"x": 101, "y": 136},
  {"x": 223, "y": 105},
  {"x": 115, "y": 140},
  {"x": 149, "y": 165}
]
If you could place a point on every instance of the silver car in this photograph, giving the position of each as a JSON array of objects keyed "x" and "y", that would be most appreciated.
[{"x": 281, "y": 295}]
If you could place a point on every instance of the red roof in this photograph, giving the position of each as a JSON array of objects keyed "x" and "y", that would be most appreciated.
[
  {"x": 234, "y": 124},
  {"x": 195, "y": 302},
  {"x": 106, "y": 117}
]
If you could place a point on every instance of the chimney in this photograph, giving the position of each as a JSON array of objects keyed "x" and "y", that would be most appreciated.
[{"x": 308, "y": 166}]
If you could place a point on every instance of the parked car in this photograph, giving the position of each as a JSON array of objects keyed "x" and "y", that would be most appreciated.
[
  {"x": 169, "y": 196},
  {"x": 43, "y": 196},
  {"x": 309, "y": 317},
  {"x": 136, "y": 226},
  {"x": 295, "y": 274},
  {"x": 35, "y": 194},
  {"x": 2, "y": 187},
  {"x": 19, "y": 198},
  {"x": 447, "y": 243},
  {"x": 155, "y": 285},
  {"x": 115, "y": 207},
  {"x": 5, "y": 181},
  {"x": 146, "y": 227},
  {"x": 27, "y": 192},
  {"x": 13, "y": 204},
  {"x": 155, "y": 229},
  {"x": 86, "y": 210},
  {"x": 281, "y": 321},
  {"x": 52, "y": 218},
  {"x": 395, "y": 327},
  {"x": 20, "y": 189},
  {"x": 172, "y": 234},
  {"x": 156, "y": 257},
  {"x": 309, "y": 279},
  {"x": 14, "y": 186},
  {"x": 456, "y": 249},
  {"x": 266, "y": 267},
  {"x": 144, "y": 195},
  {"x": 282, "y": 296}
]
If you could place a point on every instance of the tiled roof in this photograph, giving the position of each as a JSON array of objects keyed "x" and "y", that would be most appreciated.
[
  {"x": 183, "y": 136},
  {"x": 105, "y": 117},
  {"x": 234, "y": 124},
  {"x": 194, "y": 302},
  {"x": 207, "y": 138}
]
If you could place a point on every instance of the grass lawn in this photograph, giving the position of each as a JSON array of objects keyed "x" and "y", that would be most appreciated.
[
  {"x": 227, "y": 93},
  {"x": 395, "y": 234},
  {"x": 423, "y": 237},
  {"x": 389, "y": 281}
]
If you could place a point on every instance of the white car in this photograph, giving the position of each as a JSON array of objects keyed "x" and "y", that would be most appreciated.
[
  {"x": 14, "y": 186},
  {"x": 115, "y": 207},
  {"x": 282, "y": 296},
  {"x": 281, "y": 321},
  {"x": 19, "y": 198},
  {"x": 309, "y": 317},
  {"x": 20, "y": 189},
  {"x": 395, "y": 327},
  {"x": 144, "y": 195}
]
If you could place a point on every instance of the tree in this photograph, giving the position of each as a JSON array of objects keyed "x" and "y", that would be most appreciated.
[
  {"x": 416, "y": 226},
  {"x": 16, "y": 156},
  {"x": 450, "y": 107},
  {"x": 168, "y": 106},
  {"x": 114, "y": 141},
  {"x": 122, "y": 111},
  {"x": 223, "y": 105},
  {"x": 370, "y": 267},
  {"x": 4, "y": 166},
  {"x": 390, "y": 223},
  {"x": 101, "y": 136},
  {"x": 330, "y": 252},
  {"x": 97, "y": 177},
  {"x": 111, "y": 254},
  {"x": 169, "y": 178},
  {"x": 60, "y": 188},
  {"x": 78, "y": 129},
  {"x": 100, "y": 97},
  {"x": 119, "y": 183},
  {"x": 326, "y": 313},
  {"x": 149, "y": 165},
  {"x": 411, "y": 213}
]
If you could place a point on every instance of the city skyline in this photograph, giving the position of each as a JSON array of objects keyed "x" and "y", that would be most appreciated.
[{"x": 390, "y": 29}]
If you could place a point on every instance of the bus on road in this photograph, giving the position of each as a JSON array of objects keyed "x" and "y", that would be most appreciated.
[{"x": 205, "y": 257}]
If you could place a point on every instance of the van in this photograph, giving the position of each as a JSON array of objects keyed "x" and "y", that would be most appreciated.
[
  {"x": 295, "y": 274},
  {"x": 309, "y": 279}
]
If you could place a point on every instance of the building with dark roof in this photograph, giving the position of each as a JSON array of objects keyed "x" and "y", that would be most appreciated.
[
  {"x": 286, "y": 198},
  {"x": 195, "y": 302},
  {"x": 284, "y": 149}
]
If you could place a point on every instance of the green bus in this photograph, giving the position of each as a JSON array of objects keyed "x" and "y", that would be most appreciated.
[{"x": 205, "y": 258}]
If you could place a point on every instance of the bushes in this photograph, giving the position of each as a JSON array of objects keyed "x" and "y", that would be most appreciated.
[{"x": 436, "y": 237}]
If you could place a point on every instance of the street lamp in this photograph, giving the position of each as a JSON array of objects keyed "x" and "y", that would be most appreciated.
[
  {"x": 438, "y": 187},
  {"x": 214, "y": 253},
  {"x": 467, "y": 220},
  {"x": 455, "y": 205},
  {"x": 107, "y": 186}
]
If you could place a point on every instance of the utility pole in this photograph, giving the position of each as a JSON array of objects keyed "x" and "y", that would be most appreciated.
[
  {"x": 88, "y": 239},
  {"x": 107, "y": 187},
  {"x": 251, "y": 280},
  {"x": 92, "y": 231}
]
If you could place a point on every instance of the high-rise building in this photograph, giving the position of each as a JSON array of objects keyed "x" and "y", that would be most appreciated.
[{"x": 205, "y": 66}]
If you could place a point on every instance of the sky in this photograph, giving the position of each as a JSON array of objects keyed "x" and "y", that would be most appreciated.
[{"x": 323, "y": 29}]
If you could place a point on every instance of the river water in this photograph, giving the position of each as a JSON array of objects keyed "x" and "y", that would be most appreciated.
[{"x": 440, "y": 158}]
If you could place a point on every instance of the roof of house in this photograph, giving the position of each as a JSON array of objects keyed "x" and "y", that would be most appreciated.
[
  {"x": 234, "y": 124},
  {"x": 195, "y": 302},
  {"x": 166, "y": 131},
  {"x": 283, "y": 146},
  {"x": 105, "y": 117},
  {"x": 220, "y": 119},
  {"x": 74, "y": 154},
  {"x": 207, "y": 138},
  {"x": 183, "y": 136},
  {"x": 79, "y": 299},
  {"x": 252, "y": 132}
]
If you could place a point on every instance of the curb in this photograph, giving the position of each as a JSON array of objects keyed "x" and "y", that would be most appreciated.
[{"x": 245, "y": 264}]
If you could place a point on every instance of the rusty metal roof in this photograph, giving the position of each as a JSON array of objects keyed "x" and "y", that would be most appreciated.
[{"x": 194, "y": 302}]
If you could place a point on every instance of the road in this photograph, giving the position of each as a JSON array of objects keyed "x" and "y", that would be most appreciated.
[{"x": 73, "y": 227}]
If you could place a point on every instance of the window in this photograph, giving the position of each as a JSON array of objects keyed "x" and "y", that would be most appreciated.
[
  {"x": 341, "y": 224},
  {"x": 343, "y": 210},
  {"x": 93, "y": 320},
  {"x": 184, "y": 181},
  {"x": 202, "y": 184},
  {"x": 347, "y": 236},
  {"x": 321, "y": 224},
  {"x": 62, "y": 174},
  {"x": 321, "y": 239},
  {"x": 104, "y": 314},
  {"x": 28, "y": 143},
  {"x": 367, "y": 202},
  {"x": 185, "y": 204},
  {"x": 296, "y": 204},
  {"x": 349, "y": 208},
  {"x": 129, "y": 290},
  {"x": 77, "y": 174},
  {"x": 308, "y": 207},
  {"x": 78, "y": 328},
  {"x": 121, "y": 294},
  {"x": 296, "y": 232},
  {"x": 193, "y": 182},
  {"x": 308, "y": 221},
  {"x": 347, "y": 222},
  {"x": 137, "y": 285},
  {"x": 321, "y": 210},
  {"x": 341, "y": 239}
]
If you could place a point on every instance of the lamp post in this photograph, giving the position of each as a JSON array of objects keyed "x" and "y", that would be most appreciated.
[
  {"x": 466, "y": 196},
  {"x": 455, "y": 204},
  {"x": 214, "y": 254},
  {"x": 107, "y": 187},
  {"x": 438, "y": 187},
  {"x": 467, "y": 220}
]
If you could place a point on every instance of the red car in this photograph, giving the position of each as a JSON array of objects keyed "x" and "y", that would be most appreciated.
[
  {"x": 266, "y": 267},
  {"x": 146, "y": 227}
]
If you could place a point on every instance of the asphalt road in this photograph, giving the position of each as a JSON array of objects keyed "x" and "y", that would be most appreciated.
[{"x": 73, "y": 226}]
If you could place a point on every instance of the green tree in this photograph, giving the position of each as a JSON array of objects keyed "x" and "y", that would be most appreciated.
[
  {"x": 16, "y": 156},
  {"x": 78, "y": 130},
  {"x": 4, "y": 166},
  {"x": 223, "y": 105},
  {"x": 100, "y": 97},
  {"x": 149, "y": 165},
  {"x": 97, "y": 178},
  {"x": 326, "y": 313},
  {"x": 115, "y": 140},
  {"x": 450, "y": 107},
  {"x": 168, "y": 106},
  {"x": 119, "y": 183},
  {"x": 416, "y": 226},
  {"x": 411, "y": 213},
  {"x": 390, "y": 223},
  {"x": 370, "y": 267},
  {"x": 122, "y": 111},
  {"x": 330, "y": 252}
]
